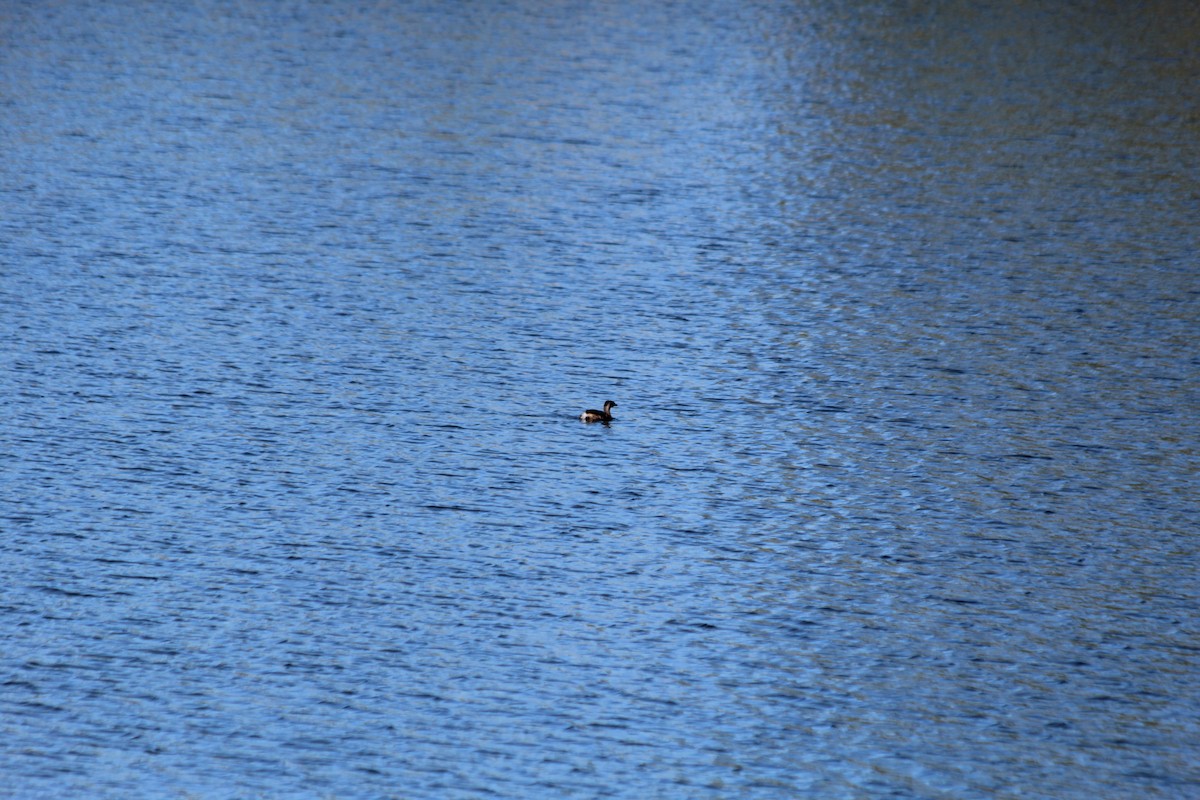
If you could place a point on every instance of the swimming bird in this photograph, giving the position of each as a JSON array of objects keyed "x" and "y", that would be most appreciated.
[{"x": 592, "y": 415}]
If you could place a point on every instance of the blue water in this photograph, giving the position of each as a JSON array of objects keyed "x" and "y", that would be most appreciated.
[{"x": 300, "y": 305}]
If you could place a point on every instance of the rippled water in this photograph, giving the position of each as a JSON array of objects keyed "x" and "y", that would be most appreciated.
[{"x": 300, "y": 305}]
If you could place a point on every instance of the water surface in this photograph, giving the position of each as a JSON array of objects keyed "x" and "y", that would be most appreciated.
[{"x": 300, "y": 306}]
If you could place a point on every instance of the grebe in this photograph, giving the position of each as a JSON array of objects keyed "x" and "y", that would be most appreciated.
[{"x": 592, "y": 415}]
